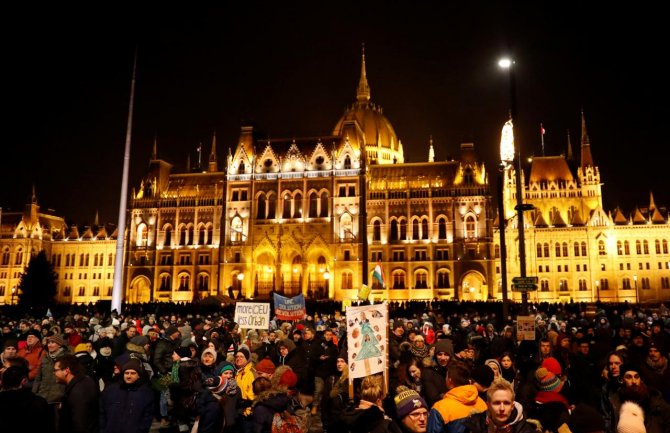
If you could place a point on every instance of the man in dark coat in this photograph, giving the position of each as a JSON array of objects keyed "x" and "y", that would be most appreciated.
[
  {"x": 79, "y": 411},
  {"x": 434, "y": 378},
  {"x": 127, "y": 406},
  {"x": 21, "y": 410}
]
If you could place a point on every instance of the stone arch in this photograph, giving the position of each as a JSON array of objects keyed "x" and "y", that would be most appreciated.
[
  {"x": 473, "y": 287},
  {"x": 140, "y": 290}
]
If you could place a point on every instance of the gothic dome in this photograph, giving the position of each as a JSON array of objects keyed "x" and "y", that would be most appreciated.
[{"x": 382, "y": 144}]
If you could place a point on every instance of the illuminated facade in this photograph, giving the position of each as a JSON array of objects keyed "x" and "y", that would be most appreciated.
[
  {"x": 576, "y": 249},
  {"x": 313, "y": 215}
]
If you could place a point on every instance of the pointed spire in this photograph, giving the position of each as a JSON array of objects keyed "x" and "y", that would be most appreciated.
[
  {"x": 188, "y": 163},
  {"x": 154, "y": 152},
  {"x": 431, "y": 151},
  {"x": 96, "y": 222},
  {"x": 570, "y": 156},
  {"x": 212, "y": 166},
  {"x": 652, "y": 203},
  {"x": 587, "y": 159},
  {"x": 363, "y": 93},
  {"x": 33, "y": 198}
]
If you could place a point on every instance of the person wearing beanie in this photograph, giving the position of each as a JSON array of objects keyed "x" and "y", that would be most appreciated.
[
  {"x": 33, "y": 351},
  {"x": 502, "y": 413},
  {"x": 265, "y": 368},
  {"x": 245, "y": 373},
  {"x": 495, "y": 366},
  {"x": 654, "y": 369},
  {"x": 631, "y": 419},
  {"x": 9, "y": 352},
  {"x": 482, "y": 377},
  {"x": 335, "y": 391},
  {"x": 433, "y": 383},
  {"x": 290, "y": 356},
  {"x": 634, "y": 389},
  {"x": 45, "y": 384},
  {"x": 412, "y": 410},
  {"x": 133, "y": 392}
]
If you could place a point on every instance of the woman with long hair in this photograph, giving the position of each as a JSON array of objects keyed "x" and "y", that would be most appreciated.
[{"x": 507, "y": 369}]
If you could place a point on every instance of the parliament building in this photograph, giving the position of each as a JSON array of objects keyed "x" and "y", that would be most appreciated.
[{"x": 316, "y": 215}]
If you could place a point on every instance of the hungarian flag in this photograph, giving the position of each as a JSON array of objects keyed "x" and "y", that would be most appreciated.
[{"x": 379, "y": 274}]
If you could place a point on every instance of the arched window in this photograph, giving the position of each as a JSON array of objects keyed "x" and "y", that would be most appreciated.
[
  {"x": 626, "y": 247},
  {"x": 645, "y": 246},
  {"x": 236, "y": 229},
  {"x": 202, "y": 235},
  {"x": 313, "y": 204},
  {"x": 5, "y": 255},
  {"x": 166, "y": 282},
  {"x": 286, "y": 213},
  {"x": 241, "y": 168},
  {"x": 601, "y": 248},
  {"x": 565, "y": 249},
  {"x": 189, "y": 234},
  {"x": 347, "y": 281},
  {"x": 398, "y": 278},
  {"x": 346, "y": 227},
  {"x": 424, "y": 229},
  {"x": 638, "y": 247},
  {"x": 141, "y": 240},
  {"x": 470, "y": 226},
  {"x": 403, "y": 229},
  {"x": 347, "y": 162},
  {"x": 442, "y": 279},
  {"x": 260, "y": 211},
  {"x": 583, "y": 249},
  {"x": 324, "y": 204},
  {"x": 272, "y": 206},
  {"x": 415, "y": 230},
  {"x": 210, "y": 234},
  {"x": 421, "y": 280},
  {"x": 110, "y": 261},
  {"x": 657, "y": 243},
  {"x": 377, "y": 230},
  {"x": 546, "y": 250},
  {"x": 665, "y": 246},
  {"x": 167, "y": 237},
  {"x": 394, "y": 236},
  {"x": 203, "y": 282},
  {"x": 539, "y": 250},
  {"x": 182, "y": 234},
  {"x": 184, "y": 282},
  {"x": 496, "y": 251},
  {"x": 442, "y": 228},
  {"x": 19, "y": 257},
  {"x": 576, "y": 249},
  {"x": 558, "y": 249},
  {"x": 297, "y": 205}
]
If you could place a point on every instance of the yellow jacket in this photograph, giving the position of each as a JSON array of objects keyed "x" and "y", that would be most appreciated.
[{"x": 245, "y": 380}]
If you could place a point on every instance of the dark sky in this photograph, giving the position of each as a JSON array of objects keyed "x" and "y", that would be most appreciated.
[{"x": 292, "y": 67}]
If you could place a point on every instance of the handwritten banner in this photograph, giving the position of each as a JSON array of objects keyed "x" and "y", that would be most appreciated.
[
  {"x": 252, "y": 315},
  {"x": 290, "y": 308}
]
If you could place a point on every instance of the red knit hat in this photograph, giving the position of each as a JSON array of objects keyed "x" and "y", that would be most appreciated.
[
  {"x": 552, "y": 365},
  {"x": 289, "y": 379},
  {"x": 265, "y": 366}
]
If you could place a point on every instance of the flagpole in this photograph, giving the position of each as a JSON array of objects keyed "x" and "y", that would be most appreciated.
[
  {"x": 542, "y": 137},
  {"x": 117, "y": 290}
]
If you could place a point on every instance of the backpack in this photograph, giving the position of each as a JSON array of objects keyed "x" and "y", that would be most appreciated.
[{"x": 286, "y": 422}]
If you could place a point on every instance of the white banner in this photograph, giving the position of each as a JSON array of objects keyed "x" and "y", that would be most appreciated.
[
  {"x": 367, "y": 339},
  {"x": 252, "y": 315}
]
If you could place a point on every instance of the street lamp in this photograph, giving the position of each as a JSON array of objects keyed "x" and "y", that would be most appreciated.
[
  {"x": 506, "y": 159},
  {"x": 13, "y": 294},
  {"x": 508, "y": 64},
  {"x": 598, "y": 290}
]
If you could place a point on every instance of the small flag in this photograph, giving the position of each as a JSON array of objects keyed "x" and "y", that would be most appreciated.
[{"x": 379, "y": 274}]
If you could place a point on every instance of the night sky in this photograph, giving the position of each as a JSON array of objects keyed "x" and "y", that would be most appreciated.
[{"x": 291, "y": 69}]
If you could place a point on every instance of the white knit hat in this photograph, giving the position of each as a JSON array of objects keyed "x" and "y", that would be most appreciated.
[{"x": 631, "y": 419}]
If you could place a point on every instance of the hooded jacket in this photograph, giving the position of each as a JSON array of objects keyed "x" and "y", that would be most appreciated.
[{"x": 459, "y": 402}]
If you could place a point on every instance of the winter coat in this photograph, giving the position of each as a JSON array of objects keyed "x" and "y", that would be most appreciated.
[
  {"x": 335, "y": 397},
  {"x": 477, "y": 423},
  {"x": 127, "y": 408},
  {"x": 265, "y": 406},
  {"x": 433, "y": 383},
  {"x": 45, "y": 384},
  {"x": 23, "y": 411},
  {"x": 459, "y": 402},
  {"x": 79, "y": 412},
  {"x": 245, "y": 380},
  {"x": 162, "y": 358},
  {"x": 34, "y": 356},
  {"x": 370, "y": 420}
]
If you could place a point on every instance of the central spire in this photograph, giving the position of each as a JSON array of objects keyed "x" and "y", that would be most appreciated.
[{"x": 363, "y": 93}]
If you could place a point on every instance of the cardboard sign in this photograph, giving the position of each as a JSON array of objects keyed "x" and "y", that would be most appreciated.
[
  {"x": 367, "y": 339},
  {"x": 252, "y": 315},
  {"x": 525, "y": 328}
]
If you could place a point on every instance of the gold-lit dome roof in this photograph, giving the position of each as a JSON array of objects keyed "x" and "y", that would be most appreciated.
[{"x": 382, "y": 144}]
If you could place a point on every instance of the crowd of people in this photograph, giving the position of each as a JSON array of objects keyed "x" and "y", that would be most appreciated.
[{"x": 452, "y": 368}]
